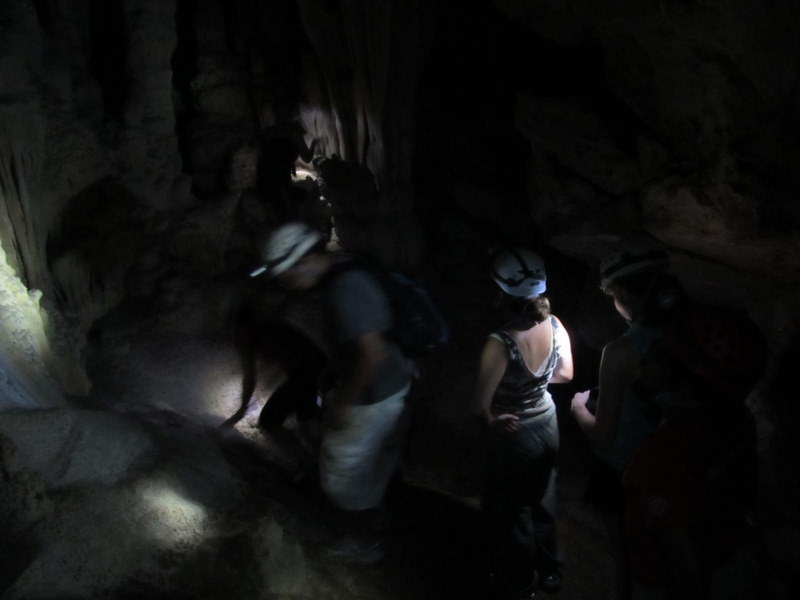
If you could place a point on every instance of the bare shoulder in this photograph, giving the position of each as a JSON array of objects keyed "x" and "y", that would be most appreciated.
[
  {"x": 494, "y": 347},
  {"x": 559, "y": 324}
]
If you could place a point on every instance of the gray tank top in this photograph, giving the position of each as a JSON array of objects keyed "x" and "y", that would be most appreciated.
[{"x": 521, "y": 392}]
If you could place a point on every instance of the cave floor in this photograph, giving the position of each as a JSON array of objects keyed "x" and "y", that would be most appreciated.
[
  {"x": 268, "y": 539},
  {"x": 433, "y": 548}
]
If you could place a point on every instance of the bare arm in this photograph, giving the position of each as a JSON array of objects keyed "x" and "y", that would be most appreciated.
[
  {"x": 617, "y": 367},
  {"x": 564, "y": 367},
  {"x": 493, "y": 364}
]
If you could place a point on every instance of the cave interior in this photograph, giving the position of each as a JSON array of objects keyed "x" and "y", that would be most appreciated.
[{"x": 143, "y": 161}]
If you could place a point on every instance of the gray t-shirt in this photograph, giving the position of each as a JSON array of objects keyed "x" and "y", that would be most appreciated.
[{"x": 359, "y": 306}]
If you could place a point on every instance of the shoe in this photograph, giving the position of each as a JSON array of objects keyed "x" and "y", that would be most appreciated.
[
  {"x": 550, "y": 582},
  {"x": 354, "y": 551}
]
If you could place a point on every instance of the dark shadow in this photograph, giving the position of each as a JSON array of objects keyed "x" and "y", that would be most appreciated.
[
  {"x": 15, "y": 556},
  {"x": 107, "y": 62}
]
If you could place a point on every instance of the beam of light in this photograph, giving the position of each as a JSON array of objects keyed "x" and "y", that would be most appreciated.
[
  {"x": 172, "y": 518},
  {"x": 302, "y": 174},
  {"x": 26, "y": 358}
]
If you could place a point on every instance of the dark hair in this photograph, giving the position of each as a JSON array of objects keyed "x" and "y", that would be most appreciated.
[
  {"x": 659, "y": 295},
  {"x": 523, "y": 313}
]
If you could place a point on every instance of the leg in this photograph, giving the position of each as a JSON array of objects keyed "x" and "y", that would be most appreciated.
[
  {"x": 303, "y": 362},
  {"x": 521, "y": 530},
  {"x": 548, "y": 562}
]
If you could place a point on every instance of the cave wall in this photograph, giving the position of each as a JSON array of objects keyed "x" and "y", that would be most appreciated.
[
  {"x": 127, "y": 149},
  {"x": 129, "y": 135},
  {"x": 692, "y": 128},
  {"x": 675, "y": 117}
]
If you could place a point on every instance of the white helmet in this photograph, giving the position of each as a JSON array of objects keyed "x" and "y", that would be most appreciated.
[
  {"x": 285, "y": 246},
  {"x": 634, "y": 255},
  {"x": 519, "y": 272}
]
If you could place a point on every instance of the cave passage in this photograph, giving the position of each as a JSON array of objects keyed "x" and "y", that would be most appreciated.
[{"x": 149, "y": 445}]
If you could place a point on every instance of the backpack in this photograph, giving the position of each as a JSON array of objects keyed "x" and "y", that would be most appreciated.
[{"x": 418, "y": 324}]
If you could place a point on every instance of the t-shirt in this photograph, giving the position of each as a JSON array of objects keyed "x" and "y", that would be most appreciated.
[
  {"x": 636, "y": 419},
  {"x": 359, "y": 306}
]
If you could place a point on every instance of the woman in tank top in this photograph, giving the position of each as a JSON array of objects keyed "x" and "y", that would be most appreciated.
[{"x": 517, "y": 364}]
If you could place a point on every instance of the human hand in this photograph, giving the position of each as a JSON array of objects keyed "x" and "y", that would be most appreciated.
[
  {"x": 579, "y": 401},
  {"x": 506, "y": 422}
]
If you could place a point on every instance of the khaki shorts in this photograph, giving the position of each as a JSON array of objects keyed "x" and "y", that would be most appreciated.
[{"x": 357, "y": 462}]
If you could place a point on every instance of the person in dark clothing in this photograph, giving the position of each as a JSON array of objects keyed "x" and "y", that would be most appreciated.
[
  {"x": 679, "y": 447},
  {"x": 623, "y": 417},
  {"x": 365, "y": 413},
  {"x": 518, "y": 362},
  {"x": 303, "y": 363}
]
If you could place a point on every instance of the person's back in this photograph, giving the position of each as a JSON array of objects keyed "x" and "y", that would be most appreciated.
[
  {"x": 357, "y": 303},
  {"x": 533, "y": 357},
  {"x": 661, "y": 425},
  {"x": 519, "y": 360},
  {"x": 636, "y": 417},
  {"x": 536, "y": 346},
  {"x": 623, "y": 419},
  {"x": 646, "y": 298}
]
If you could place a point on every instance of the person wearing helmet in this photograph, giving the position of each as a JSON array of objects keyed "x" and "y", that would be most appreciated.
[
  {"x": 365, "y": 412},
  {"x": 530, "y": 351},
  {"x": 634, "y": 276},
  {"x": 622, "y": 416},
  {"x": 678, "y": 442}
]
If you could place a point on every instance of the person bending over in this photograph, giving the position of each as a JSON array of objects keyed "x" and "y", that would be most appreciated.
[{"x": 365, "y": 413}]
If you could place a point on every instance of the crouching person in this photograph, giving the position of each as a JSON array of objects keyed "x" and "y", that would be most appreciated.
[{"x": 365, "y": 413}]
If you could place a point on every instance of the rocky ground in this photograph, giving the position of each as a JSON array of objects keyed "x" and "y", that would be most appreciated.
[{"x": 141, "y": 491}]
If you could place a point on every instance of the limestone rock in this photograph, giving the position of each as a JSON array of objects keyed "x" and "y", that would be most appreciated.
[
  {"x": 713, "y": 211},
  {"x": 579, "y": 141},
  {"x": 201, "y": 239},
  {"x": 69, "y": 447}
]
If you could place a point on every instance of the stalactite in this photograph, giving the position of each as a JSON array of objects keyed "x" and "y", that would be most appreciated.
[
  {"x": 370, "y": 56},
  {"x": 25, "y": 376},
  {"x": 21, "y": 219}
]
